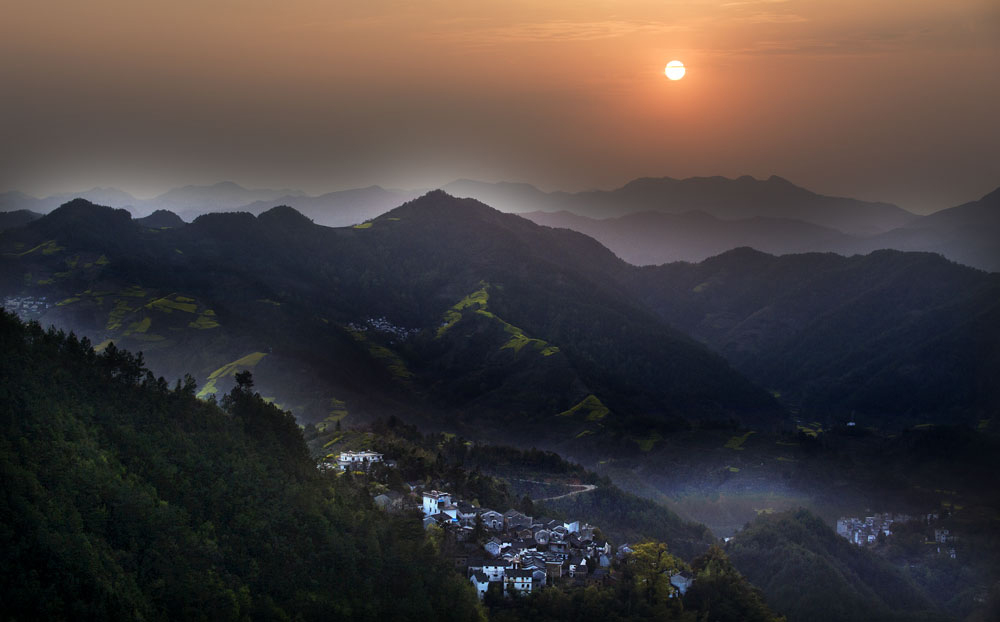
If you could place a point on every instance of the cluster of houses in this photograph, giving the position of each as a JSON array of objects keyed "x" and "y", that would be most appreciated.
[
  {"x": 511, "y": 550},
  {"x": 26, "y": 307},
  {"x": 865, "y": 531},
  {"x": 522, "y": 553},
  {"x": 382, "y": 325},
  {"x": 519, "y": 553}
]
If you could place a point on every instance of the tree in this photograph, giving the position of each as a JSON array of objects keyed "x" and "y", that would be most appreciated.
[{"x": 721, "y": 591}]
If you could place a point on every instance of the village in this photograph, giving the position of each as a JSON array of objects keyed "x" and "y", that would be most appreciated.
[
  {"x": 26, "y": 307},
  {"x": 508, "y": 551},
  {"x": 867, "y": 531}
]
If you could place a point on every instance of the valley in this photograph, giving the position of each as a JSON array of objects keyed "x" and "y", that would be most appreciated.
[{"x": 741, "y": 389}]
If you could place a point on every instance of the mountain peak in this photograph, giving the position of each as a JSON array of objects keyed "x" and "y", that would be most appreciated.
[
  {"x": 161, "y": 219},
  {"x": 991, "y": 198},
  {"x": 284, "y": 216},
  {"x": 82, "y": 208}
]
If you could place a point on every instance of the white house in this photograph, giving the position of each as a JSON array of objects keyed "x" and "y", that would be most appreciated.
[
  {"x": 358, "y": 460},
  {"x": 520, "y": 580},
  {"x": 434, "y": 500},
  {"x": 481, "y": 582},
  {"x": 494, "y": 570}
]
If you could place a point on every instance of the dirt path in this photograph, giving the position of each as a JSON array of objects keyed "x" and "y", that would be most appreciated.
[{"x": 580, "y": 487}]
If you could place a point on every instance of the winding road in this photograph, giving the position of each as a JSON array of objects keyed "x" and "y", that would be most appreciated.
[{"x": 580, "y": 488}]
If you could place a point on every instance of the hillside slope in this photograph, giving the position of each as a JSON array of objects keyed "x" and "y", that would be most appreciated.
[
  {"x": 126, "y": 499},
  {"x": 442, "y": 308}
]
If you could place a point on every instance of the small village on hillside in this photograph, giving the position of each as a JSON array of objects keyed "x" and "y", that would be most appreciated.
[
  {"x": 869, "y": 530},
  {"x": 509, "y": 550},
  {"x": 26, "y": 307}
]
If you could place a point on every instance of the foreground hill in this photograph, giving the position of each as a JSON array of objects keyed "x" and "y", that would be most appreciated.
[{"x": 126, "y": 499}]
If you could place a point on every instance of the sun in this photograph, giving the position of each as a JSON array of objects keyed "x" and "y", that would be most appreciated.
[{"x": 675, "y": 70}]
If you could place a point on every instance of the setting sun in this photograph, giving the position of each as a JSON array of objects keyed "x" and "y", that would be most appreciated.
[{"x": 675, "y": 70}]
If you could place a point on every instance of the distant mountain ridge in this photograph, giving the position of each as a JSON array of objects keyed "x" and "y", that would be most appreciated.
[
  {"x": 654, "y": 238},
  {"x": 967, "y": 234},
  {"x": 648, "y": 221},
  {"x": 724, "y": 198}
]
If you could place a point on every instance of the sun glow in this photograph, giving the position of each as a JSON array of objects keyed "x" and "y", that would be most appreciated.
[{"x": 675, "y": 70}]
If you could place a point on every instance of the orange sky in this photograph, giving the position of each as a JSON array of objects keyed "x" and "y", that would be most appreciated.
[{"x": 892, "y": 99}]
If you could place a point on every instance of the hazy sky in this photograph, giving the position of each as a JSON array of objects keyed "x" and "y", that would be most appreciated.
[{"x": 880, "y": 99}]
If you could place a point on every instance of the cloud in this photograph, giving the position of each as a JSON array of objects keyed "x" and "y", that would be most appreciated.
[
  {"x": 752, "y": 3},
  {"x": 774, "y": 18},
  {"x": 561, "y": 30}
]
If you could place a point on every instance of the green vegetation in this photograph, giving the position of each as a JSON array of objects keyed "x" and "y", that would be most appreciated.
[
  {"x": 177, "y": 303},
  {"x": 392, "y": 361},
  {"x": 364, "y": 225},
  {"x": 809, "y": 573},
  {"x": 122, "y": 308},
  {"x": 205, "y": 321},
  {"x": 736, "y": 442},
  {"x": 589, "y": 406},
  {"x": 139, "y": 327},
  {"x": 230, "y": 370},
  {"x": 480, "y": 299},
  {"x": 126, "y": 499},
  {"x": 643, "y": 591},
  {"x": 49, "y": 247},
  {"x": 649, "y": 441}
]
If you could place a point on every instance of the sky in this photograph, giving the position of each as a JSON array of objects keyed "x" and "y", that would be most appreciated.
[{"x": 892, "y": 100}]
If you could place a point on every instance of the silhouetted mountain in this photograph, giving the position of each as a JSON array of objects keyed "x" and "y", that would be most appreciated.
[
  {"x": 730, "y": 199},
  {"x": 505, "y": 196},
  {"x": 967, "y": 234},
  {"x": 284, "y": 217},
  {"x": 190, "y": 201},
  {"x": 890, "y": 334},
  {"x": 14, "y": 201},
  {"x": 653, "y": 238},
  {"x": 442, "y": 306},
  {"x": 161, "y": 219},
  {"x": 19, "y": 218},
  {"x": 339, "y": 209},
  {"x": 112, "y": 197}
]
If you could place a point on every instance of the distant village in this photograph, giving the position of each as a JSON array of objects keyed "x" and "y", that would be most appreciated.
[
  {"x": 26, "y": 307},
  {"x": 866, "y": 531},
  {"x": 519, "y": 553}
]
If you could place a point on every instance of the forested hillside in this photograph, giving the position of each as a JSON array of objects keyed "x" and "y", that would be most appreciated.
[
  {"x": 811, "y": 574},
  {"x": 126, "y": 498}
]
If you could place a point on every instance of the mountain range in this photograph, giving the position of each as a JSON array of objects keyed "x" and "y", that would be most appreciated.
[
  {"x": 649, "y": 221},
  {"x": 451, "y": 312}
]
